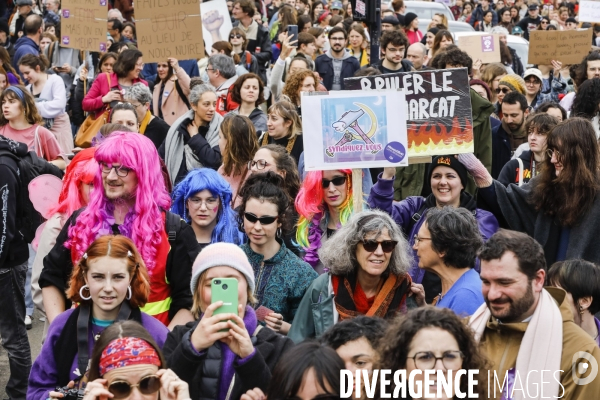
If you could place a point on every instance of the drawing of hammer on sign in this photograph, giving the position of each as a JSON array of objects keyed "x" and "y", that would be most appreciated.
[{"x": 350, "y": 120}]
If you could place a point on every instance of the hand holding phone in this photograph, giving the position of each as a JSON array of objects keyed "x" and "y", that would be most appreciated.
[{"x": 292, "y": 31}]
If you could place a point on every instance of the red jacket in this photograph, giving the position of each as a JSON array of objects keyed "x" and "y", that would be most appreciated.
[{"x": 92, "y": 102}]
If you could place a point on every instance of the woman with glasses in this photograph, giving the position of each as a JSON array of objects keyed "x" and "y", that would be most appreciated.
[
  {"x": 367, "y": 275},
  {"x": 153, "y": 128},
  {"x": 110, "y": 283},
  {"x": 171, "y": 91},
  {"x": 281, "y": 277},
  {"x": 284, "y": 128},
  {"x": 560, "y": 207},
  {"x": 239, "y": 43},
  {"x": 108, "y": 87},
  {"x": 237, "y": 143},
  {"x": 127, "y": 363},
  {"x": 431, "y": 339},
  {"x": 448, "y": 179},
  {"x": 248, "y": 92},
  {"x": 508, "y": 83},
  {"x": 203, "y": 200}
]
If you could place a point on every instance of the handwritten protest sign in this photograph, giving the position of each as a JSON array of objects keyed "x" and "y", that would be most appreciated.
[
  {"x": 169, "y": 28},
  {"x": 569, "y": 47},
  {"x": 481, "y": 47},
  {"x": 589, "y": 11},
  {"x": 353, "y": 129},
  {"x": 216, "y": 23},
  {"x": 438, "y": 108},
  {"x": 83, "y": 24}
]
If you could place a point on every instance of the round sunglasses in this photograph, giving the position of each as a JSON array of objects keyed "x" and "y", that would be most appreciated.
[
  {"x": 387, "y": 245},
  {"x": 264, "y": 220},
  {"x": 147, "y": 385}
]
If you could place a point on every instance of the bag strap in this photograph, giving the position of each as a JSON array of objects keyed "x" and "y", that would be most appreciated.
[
  {"x": 248, "y": 60},
  {"x": 51, "y": 51},
  {"x": 182, "y": 95},
  {"x": 38, "y": 144},
  {"x": 520, "y": 171}
]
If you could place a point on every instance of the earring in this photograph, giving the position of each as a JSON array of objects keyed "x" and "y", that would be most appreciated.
[
  {"x": 128, "y": 293},
  {"x": 580, "y": 310},
  {"x": 278, "y": 233},
  {"x": 86, "y": 287}
]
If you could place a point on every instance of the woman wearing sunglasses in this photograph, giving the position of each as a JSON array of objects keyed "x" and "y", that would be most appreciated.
[
  {"x": 448, "y": 179},
  {"x": 281, "y": 277},
  {"x": 324, "y": 204},
  {"x": 127, "y": 364},
  {"x": 508, "y": 83},
  {"x": 367, "y": 275},
  {"x": 110, "y": 283},
  {"x": 239, "y": 43},
  {"x": 223, "y": 355}
]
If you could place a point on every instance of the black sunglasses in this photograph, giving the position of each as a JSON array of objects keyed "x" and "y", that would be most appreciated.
[
  {"x": 387, "y": 245},
  {"x": 147, "y": 385},
  {"x": 337, "y": 181},
  {"x": 503, "y": 90},
  {"x": 235, "y": 36},
  {"x": 265, "y": 220}
]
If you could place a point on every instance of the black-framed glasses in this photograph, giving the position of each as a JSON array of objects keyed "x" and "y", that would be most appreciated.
[
  {"x": 147, "y": 385},
  {"x": 235, "y": 36},
  {"x": 337, "y": 181},
  {"x": 503, "y": 90},
  {"x": 119, "y": 169},
  {"x": 264, "y": 220},
  {"x": 417, "y": 239},
  {"x": 452, "y": 360},
  {"x": 387, "y": 245},
  {"x": 551, "y": 152},
  {"x": 260, "y": 164}
]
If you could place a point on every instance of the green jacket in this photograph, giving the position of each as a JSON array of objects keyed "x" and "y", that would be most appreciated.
[
  {"x": 409, "y": 180},
  {"x": 316, "y": 312}
]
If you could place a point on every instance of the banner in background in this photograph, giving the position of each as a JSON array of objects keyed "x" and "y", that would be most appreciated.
[
  {"x": 83, "y": 24},
  {"x": 568, "y": 47},
  {"x": 481, "y": 47},
  {"x": 216, "y": 23}
]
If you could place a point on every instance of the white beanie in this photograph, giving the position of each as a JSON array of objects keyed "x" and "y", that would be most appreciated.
[{"x": 222, "y": 255}]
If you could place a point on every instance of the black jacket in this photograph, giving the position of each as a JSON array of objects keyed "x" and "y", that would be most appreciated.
[
  {"x": 58, "y": 264},
  {"x": 324, "y": 66},
  {"x": 13, "y": 248},
  {"x": 157, "y": 131},
  {"x": 510, "y": 172},
  {"x": 189, "y": 364},
  {"x": 517, "y": 64},
  {"x": 529, "y": 24},
  {"x": 406, "y": 66},
  {"x": 264, "y": 55},
  {"x": 77, "y": 113}
]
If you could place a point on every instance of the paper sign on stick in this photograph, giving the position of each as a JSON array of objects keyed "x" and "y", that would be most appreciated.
[
  {"x": 169, "y": 28},
  {"x": 481, "y": 47},
  {"x": 568, "y": 47},
  {"x": 589, "y": 11},
  {"x": 83, "y": 24},
  {"x": 216, "y": 23}
]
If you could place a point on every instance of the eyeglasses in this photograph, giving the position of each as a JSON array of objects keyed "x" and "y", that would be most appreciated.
[
  {"x": 210, "y": 69},
  {"x": 532, "y": 82},
  {"x": 140, "y": 65},
  {"x": 452, "y": 360},
  {"x": 337, "y": 181},
  {"x": 260, "y": 164},
  {"x": 147, "y": 385},
  {"x": 418, "y": 239},
  {"x": 119, "y": 169},
  {"x": 197, "y": 202},
  {"x": 387, "y": 245},
  {"x": 544, "y": 22},
  {"x": 264, "y": 220},
  {"x": 503, "y": 90},
  {"x": 235, "y": 36},
  {"x": 552, "y": 152}
]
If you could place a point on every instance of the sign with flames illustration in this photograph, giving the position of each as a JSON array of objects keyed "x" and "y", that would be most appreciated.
[
  {"x": 437, "y": 105},
  {"x": 354, "y": 129}
]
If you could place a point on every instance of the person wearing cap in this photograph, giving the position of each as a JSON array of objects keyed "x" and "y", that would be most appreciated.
[
  {"x": 411, "y": 28},
  {"x": 223, "y": 355},
  {"x": 571, "y": 24},
  {"x": 24, "y": 9},
  {"x": 508, "y": 83},
  {"x": 390, "y": 23},
  {"x": 479, "y": 13},
  {"x": 517, "y": 31},
  {"x": 448, "y": 179},
  {"x": 323, "y": 19},
  {"x": 337, "y": 8},
  {"x": 535, "y": 87},
  {"x": 511, "y": 133},
  {"x": 514, "y": 62},
  {"x": 531, "y": 21}
]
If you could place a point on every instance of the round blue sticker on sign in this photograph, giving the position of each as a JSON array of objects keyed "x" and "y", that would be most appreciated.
[{"x": 394, "y": 152}]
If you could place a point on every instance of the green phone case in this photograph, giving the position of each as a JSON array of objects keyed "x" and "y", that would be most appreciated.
[{"x": 225, "y": 290}]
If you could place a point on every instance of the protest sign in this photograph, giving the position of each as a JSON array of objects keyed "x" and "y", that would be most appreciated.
[
  {"x": 568, "y": 47},
  {"x": 216, "y": 23},
  {"x": 438, "y": 108},
  {"x": 83, "y": 24},
  {"x": 481, "y": 47},
  {"x": 353, "y": 129},
  {"x": 589, "y": 11},
  {"x": 169, "y": 28}
]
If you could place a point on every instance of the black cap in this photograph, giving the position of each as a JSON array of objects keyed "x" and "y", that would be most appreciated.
[
  {"x": 571, "y": 19},
  {"x": 390, "y": 20},
  {"x": 451, "y": 162},
  {"x": 533, "y": 6}
]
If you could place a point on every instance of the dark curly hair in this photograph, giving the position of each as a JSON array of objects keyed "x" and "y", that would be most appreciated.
[
  {"x": 395, "y": 344},
  {"x": 265, "y": 186},
  {"x": 586, "y": 100},
  {"x": 545, "y": 106},
  {"x": 455, "y": 57},
  {"x": 543, "y": 122},
  {"x": 581, "y": 74},
  {"x": 349, "y": 330},
  {"x": 285, "y": 162}
]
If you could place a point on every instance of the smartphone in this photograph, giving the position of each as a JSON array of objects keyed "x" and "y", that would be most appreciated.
[
  {"x": 225, "y": 290},
  {"x": 292, "y": 31}
]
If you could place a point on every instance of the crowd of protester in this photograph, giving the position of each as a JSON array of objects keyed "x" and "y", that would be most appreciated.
[{"x": 177, "y": 174}]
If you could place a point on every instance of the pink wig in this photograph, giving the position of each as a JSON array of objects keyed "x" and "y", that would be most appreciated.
[
  {"x": 82, "y": 170},
  {"x": 145, "y": 223}
]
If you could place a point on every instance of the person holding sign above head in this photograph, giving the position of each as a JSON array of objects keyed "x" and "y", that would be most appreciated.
[
  {"x": 393, "y": 48},
  {"x": 171, "y": 91}
]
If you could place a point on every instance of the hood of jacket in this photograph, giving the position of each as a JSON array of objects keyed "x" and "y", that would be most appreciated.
[
  {"x": 344, "y": 57},
  {"x": 26, "y": 41},
  {"x": 481, "y": 108}
]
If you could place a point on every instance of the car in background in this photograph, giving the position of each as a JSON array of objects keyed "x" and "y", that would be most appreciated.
[
  {"x": 454, "y": 26},
  {"x": 520, "y": 45},
  {"x": 426, "y": 9}
]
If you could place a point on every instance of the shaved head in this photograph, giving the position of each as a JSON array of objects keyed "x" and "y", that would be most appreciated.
[{"x": 416, "y": 54}]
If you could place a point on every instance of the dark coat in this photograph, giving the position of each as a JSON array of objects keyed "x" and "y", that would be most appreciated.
[
  {"x": 263, "y": 57},
  {"x": 324, "y": 66}
]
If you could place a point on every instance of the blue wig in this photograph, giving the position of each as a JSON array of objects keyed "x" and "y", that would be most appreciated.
[{"x": 197, "y": 180}]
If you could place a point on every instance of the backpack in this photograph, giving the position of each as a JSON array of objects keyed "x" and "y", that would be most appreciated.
[{"x": 29, "y": 166}]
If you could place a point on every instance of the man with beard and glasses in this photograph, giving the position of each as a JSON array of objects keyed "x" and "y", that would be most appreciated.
[
  {"x": 510, "y": 134},
  {"x": 337, "y": 63},
  {"x": 526, "y": 330},
  {"x": 130, "y": 199}
]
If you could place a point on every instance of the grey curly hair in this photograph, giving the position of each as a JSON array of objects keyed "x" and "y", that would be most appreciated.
[
  {"x": 138, "y": 92},
  {"x": 197, "y": 92},
  {"x": 339, "y": 253}
]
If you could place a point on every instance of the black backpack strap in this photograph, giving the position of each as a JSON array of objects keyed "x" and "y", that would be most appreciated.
[
  {"x": 182, "y": 95},
  {"x": 417, "y": 216},
  {"x": 83, "y": 323},
  {"x": 173, "y": 226}
]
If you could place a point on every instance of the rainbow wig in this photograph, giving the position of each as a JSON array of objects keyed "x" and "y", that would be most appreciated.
[
  {"x": 82, "y": 170},
  {"x": 144, "y": 224},
  {"x": 312, "y": 209},
  {"x": 201, "y": 179}
]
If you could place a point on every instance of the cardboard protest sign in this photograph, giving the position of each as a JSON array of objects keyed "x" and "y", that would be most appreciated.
[
  {"x": 481, "y": 47},
  {"x": 589, "y": 11},
  {"x": 169, "y": 28},
  {"x": 569, "y": 47},
  {"x": 216, "y": 23},
  {"x": 438, "y": 108},
  {"x": 354, "y": 129},
  {"x": 83, "y": 24}
]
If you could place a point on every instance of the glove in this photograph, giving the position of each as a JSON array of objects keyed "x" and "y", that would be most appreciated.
[{"x": 477, "y": 170}]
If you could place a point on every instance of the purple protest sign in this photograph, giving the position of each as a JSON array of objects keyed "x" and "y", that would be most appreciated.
[{"x": 487, "y": 44}]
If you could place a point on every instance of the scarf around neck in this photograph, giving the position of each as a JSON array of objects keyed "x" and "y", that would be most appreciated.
[{"x": 145, "y": 122}]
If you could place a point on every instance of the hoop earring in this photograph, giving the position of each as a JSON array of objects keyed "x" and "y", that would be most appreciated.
[
  {"x": 128, "y": 293},
  {"x": 278, "y": 233},
  {"x": 86, "y": 287}
]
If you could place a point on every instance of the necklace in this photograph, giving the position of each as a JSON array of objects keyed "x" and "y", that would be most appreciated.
[{"x": 289, "y": 146}]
